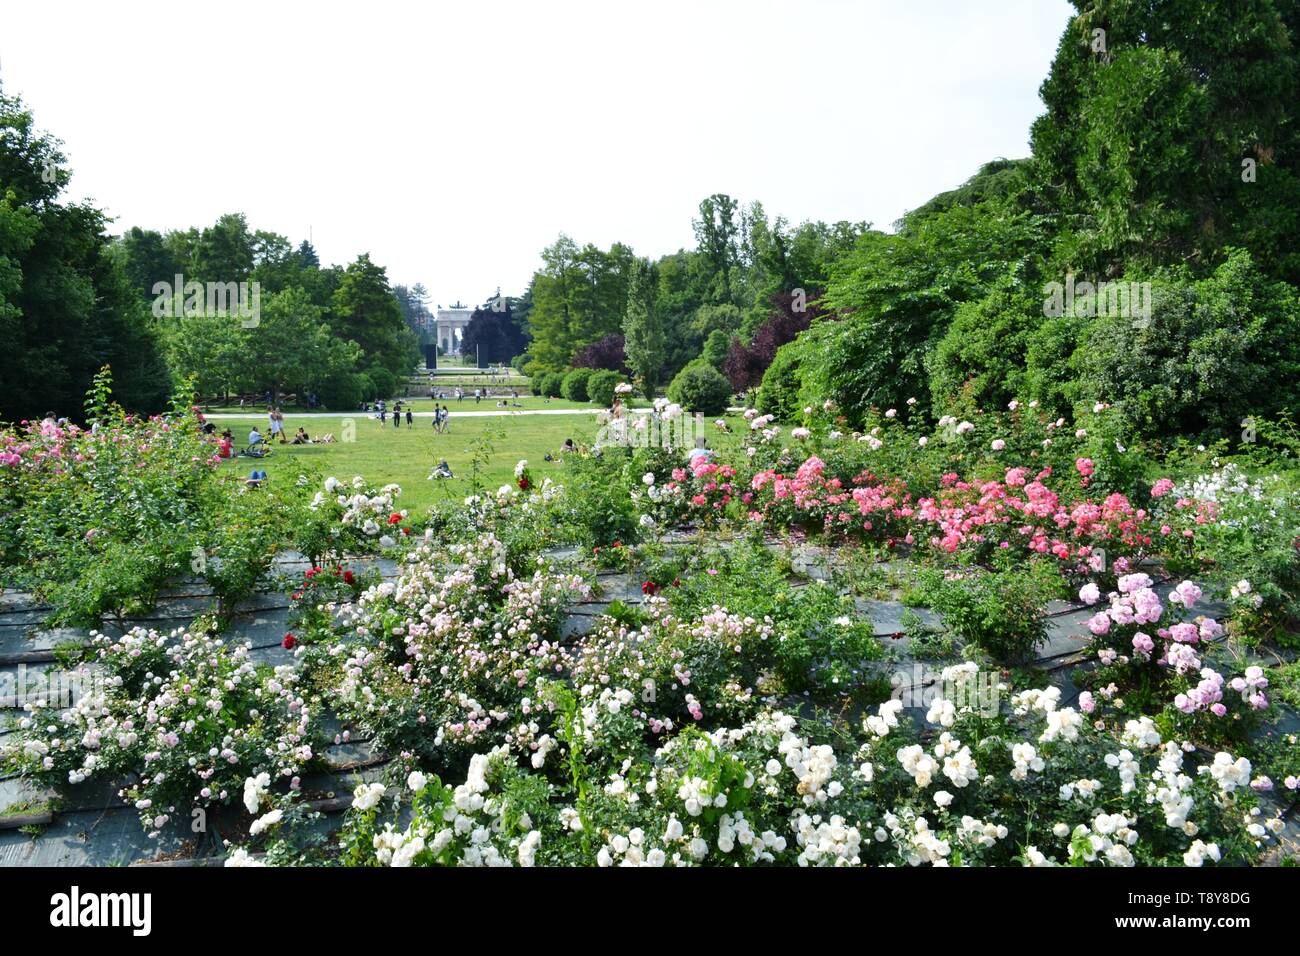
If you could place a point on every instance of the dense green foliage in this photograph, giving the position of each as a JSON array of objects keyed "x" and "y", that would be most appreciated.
[
  {"x": 700, "y": 387},
  {"x": 573, "y": 387},
  {"x": 601, "y": 385},
  {"x": 74, "y": 299}
]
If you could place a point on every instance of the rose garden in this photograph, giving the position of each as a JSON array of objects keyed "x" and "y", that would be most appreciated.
[
  {"x": 998, "y": 641},
  {"x": 942, "y": 512}
]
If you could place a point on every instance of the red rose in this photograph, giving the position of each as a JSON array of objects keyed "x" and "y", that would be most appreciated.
[
  {"x": 394, "y": 518},
  {"x": 348, "y": 577},
  {"x": 649, "y": 588},
  {"x": 289, "y": 642}
]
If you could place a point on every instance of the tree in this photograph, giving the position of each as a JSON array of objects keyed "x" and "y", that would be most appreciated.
[
  {"x": 1155, "y": 112},
  {"x": 578, "y": 297},
  {"x": 1213, "y": 353},
  {"x": 225, "y": 252},
  {"x": 553, "y": 321},
  {"x": 67, "y": 308},
  {"x": 788, "y": 315},
  {"x": 643, "y": 331},
  {"x": 493, "y": 334},
  {"x": 414, "y": 303},
  {"x": 294, "y": 347},
  {"x": 604, "y": 353},
  {"x": 146, "y": 259},
  {"x": 899, "y": 293},
  {"x": 307, "y": 257},
  {"x": 716, "y": 233},
  {"x": 212, "y": 351},
  {"x": 365, "y": 311}
]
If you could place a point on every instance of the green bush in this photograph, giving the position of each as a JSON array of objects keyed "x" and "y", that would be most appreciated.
[
  {"x": 980, "y": 361},
  {"x": 548, "y": 384},
  {"x": 700, "y": 387},
  {"x": 574, "y": 386},
  {"x": 597, "y": 506},
  {"x": 779, "y": 392},
  {"x": 600, "y": 387},
  {"x": 1212, "y": 353},
  {"x": 385, "y": 382},
  {"x": 1002, "y": 612},
  {"x": 345, "y": 391},
  {"x": 716, "y": 347}
]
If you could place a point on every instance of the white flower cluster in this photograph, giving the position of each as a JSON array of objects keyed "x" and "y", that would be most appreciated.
[
  {"x": 826, "y": 842},
  {"x": 734, "y": 830},
  {"x": 813, "y": 765},
  {"x": 1063, "y": 724},
  {"x": 1026, "y": 759},
  {"x": 918, "y": 763},
  {"x": 1109, "y": 839},
  {"x": 885, "y": 718},
  {"x": 1199, "y": 852},
  {"x": 958, "y": 764},
  {"x": 1229, "y": 774},
  {"x": 1128, "y": 769},
  {"x": 630, "y": 850},
  {"x": 1141, "y": 733}
]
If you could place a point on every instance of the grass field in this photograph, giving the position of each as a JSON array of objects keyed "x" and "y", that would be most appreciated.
[
  {"x": 417, "y": 404},
  {"x": 382, "y": 453}
]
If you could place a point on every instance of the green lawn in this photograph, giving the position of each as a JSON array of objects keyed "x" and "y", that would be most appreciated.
[
  {"x": 407, "y": 455},
  {"x": 418, "y": 404},
  {"x": 381, "y": 454}
]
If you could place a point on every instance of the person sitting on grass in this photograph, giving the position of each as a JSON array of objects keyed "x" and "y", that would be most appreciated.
[
  {"x": 255, "y": 437},
  {"x": 443, "y": 470},
  {"x": 300, "y": 438}
]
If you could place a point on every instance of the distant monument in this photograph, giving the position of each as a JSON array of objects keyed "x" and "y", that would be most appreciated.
[{"x": 450, "y": 325}]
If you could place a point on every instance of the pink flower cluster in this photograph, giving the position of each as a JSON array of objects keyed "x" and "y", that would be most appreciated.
[
  {"x": 1020, "y": 511},
  {"x": 811, "y": 498}
]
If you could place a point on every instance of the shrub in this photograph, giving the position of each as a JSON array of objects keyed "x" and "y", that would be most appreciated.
[
  {"x": 574, "y": 385},
  {"x": 215, "y": 721},
  {"x": 606, "y": 353},
  {"x": 779, "y": 392},
  {"x": 1212, "y": 353},
  {"x": 600, "y": 387},
  {"x": 548, "y": 383},
  {"x": 981, "y": 357},
  {"x": 715, "y": 348},
  {"x": 386, "y": 384},
  {"x": 700, "y": 387},
  {"x": 597, "y": 510},
  {"x": 1002, "y": 612},
  {"x": 346, "y": 391}
]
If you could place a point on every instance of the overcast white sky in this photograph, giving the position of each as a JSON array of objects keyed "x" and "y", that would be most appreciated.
[{"x": 453, "y": 141}]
